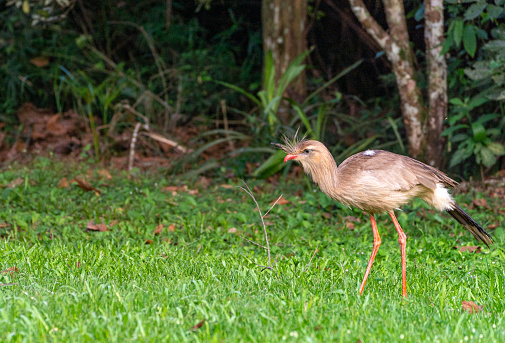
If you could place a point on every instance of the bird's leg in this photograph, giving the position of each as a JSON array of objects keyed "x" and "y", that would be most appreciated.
[
  {"x": 376, "y": 245},
  {"x": 402, "y": 239}
]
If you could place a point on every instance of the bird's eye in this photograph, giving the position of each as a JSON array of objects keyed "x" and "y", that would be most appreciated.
[{"x": 306, "y": 151}]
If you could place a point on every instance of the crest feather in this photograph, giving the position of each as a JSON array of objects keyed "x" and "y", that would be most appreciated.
[{"x": 290, "y": 146}]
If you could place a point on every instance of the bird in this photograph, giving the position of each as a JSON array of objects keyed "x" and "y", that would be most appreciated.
[{"x": 378, "y": 181}]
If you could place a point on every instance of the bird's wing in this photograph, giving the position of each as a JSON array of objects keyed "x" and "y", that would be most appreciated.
[{"x": 392, "y": 171}]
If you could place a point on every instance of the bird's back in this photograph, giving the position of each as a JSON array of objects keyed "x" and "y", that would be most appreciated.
[{"x": 378, "y": 181}]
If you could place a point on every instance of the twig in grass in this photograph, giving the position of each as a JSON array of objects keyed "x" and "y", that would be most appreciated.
[
  {"x": 276, "y": 201},
  {"x": 254, "y": 243},
  {"x": 199, "y": 248},
  {"x": 132, "y": 146},
  {"x": 248, "y": 191},
  {"x": 308, "y": 265},
  {"x": 259, "y": 265}
]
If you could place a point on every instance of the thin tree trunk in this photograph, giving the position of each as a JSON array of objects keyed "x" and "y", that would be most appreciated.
[
  {"x": 283, "y": 25},
  {"x": 397, "y": 48},
  {"x": 437, "y": 84}
]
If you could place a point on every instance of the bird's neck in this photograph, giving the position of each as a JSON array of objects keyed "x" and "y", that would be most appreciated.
[{"x": 324, "y": 173}]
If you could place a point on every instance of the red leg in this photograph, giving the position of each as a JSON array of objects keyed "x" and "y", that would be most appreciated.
[
  {"x": 402, "y": 239},
  {"x": 376, "y": 245}
]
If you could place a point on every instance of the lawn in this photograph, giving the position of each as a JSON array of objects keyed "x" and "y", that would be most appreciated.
[{"x": 140, "y": 262}]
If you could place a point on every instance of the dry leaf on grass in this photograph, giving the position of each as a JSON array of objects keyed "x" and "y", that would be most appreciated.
[
  {"x": 40, "y": 61},
  {"x": 474, "y": 249},
  {"x": 11, "y": 270},
  {"x": 326, "y": 215},
  {"x": 96, "y": 227},
  {"x": 480, "y": 202},
  {"x": 175, "y": 189},
  {"x": 470, "y": 306},
  {"x": 204, "y": 182},
  {"x": 352, "y": 219},
  {"x": 148, "y": 241},
  {"x": 281, "y": 201},
  {"x": 226, "y": 186},
  {"x": 3, "y": 225},
  {"x": 63, "y": 183},
  {"x": 15, "y": 183},
  {"x": 105, "y": 173},
  {"x": 350, "y": 226},
  {"x": 158, "y": 230},
  {"x": 171, "y": 228},
  {"x": 197, "y": 326},
  {"x": 232, "y": 230},
  {"x": 493, "y": 226},
  {"x": 85, "y": 185}
]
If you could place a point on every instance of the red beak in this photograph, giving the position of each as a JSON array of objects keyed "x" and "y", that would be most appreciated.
[{"x": 289, "y": 158}]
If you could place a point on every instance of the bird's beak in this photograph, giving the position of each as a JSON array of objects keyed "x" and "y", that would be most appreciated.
[{"x": 289, "y": 157}]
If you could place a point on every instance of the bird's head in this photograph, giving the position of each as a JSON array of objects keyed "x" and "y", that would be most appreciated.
[
  {"x": 307, "y": 152},
  {"x": 315, "y": 158}
]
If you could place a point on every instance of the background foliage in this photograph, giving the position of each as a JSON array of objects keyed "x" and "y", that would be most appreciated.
[{"x": 95, "y": 57}]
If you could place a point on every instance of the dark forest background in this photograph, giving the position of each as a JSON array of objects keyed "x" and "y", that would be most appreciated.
[{"x": 177, "y": 84}]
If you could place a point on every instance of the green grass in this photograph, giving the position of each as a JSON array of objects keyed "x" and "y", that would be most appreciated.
[{"x": 79, "y": 286}]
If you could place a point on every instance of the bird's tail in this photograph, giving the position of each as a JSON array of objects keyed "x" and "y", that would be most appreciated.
[{"x": 477, "y": 231}]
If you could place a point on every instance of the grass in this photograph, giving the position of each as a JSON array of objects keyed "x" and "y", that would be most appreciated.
[{"x": 74, "y": 285}]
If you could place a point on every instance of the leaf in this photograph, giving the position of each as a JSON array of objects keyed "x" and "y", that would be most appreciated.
[
  {"x": 495, "y": 45},
  {"x": 232, "y": 230},
  {"x": 350, "y": 226},
  {"x": 470, "y": 40},
  {"x": 11, "y": 270},
  {"x": 472, "y": 249},
  {"x": 105, "y": 174},
  {"x": 457, "y": 102},
  {"x": 419, "y": 15},
  {"x": 26, "y": 7},
  {"x": 171, "y": 228},
  {"x": 96, "y": 227},
  {"x": 197, "y": 326},
  {"x": 272, "y": 165},
  {"x": 40, "y": 61},
  {"x": 85, "y": 185},
  {"x": 470, "y": 306},
  {"x": 447, "y": 45},
  {"x": 158, "y": 230},
  {"x": 16, "y": 182},
  {"x": 459, "y": 156},
  {"x": 496, "y": 148},
  {"x": 479, "y": 202},
  {"x": 458, "y": 32},
  {"x": 282, "y": 201},
  {"x": 459, "y": 137},
  {"x": 240, "y": 90},
  {"x": 494, "y": 11},
  {"x": 479, "y": 132},
  {"x": 475, "y": 10},
  {"x": 454, "y": 128},
  {"x": 487, "y": 157},
  {"x": 63, "y": 183}
]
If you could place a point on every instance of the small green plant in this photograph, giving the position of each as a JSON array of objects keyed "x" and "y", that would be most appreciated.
[
  {"x": 269, "y": 99},
  {"x": 88, "y": 98},
  {"x": 473, "y": 138}
]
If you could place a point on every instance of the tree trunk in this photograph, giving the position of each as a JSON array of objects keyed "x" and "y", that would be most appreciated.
[
  {"x": 396, "y": 44},
  {"x": 437, "y": 84},
  {"x": 283, "y": 25}
]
